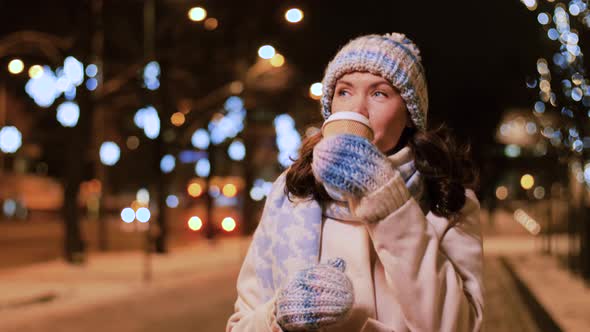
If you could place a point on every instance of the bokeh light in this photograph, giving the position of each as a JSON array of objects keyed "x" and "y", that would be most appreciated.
[
  {"x": 315, "y": 90},
  {"x": 143, "y": 196},
  {"x": 16, "y": 66},
  {"x": 68, "y": 114},
  {"x": 73, "y": 70},
  {"x": 172, "y": 201},
  {"x": 10, "y": 139},
  {"x": 194, "y": 189},
  {"x": 91, "y": 84},
  {"x": 211, "y": 23},
  {"x": 147, "y": 119},
  {"x": 277, "y": 60},
  {"x": 132, "y": 142},
  {"x": 167, "y": 163},
  {"x": 266, "y": 52},
  {"x": 229, "y": 190},
  {"x": 228, "y": 224},
  {"x": 203, "y": 167},
  {"x": 288, "y": 139},
  {"x": 35, "y": 71},
  {"x": 294, "y": 15},
  {"x": 501, "y": 193},
  {"x": 236, "y": 150},
  {"x": 527, "y": 181},
  {"x": 195, "y": 223},
  {"x": 109, "y": 153},
  {"x": 128, "y": 215},
  {"x": 151, "y": 75},
  {"x": 42, "y": 86},
  {"x": 143, "y": 214},
  {"x": 539, "y": 192},
  {"x": 91, "y": 70},
  {"x": 197, "y": 14},
  {"x": 200, "y": 139},
  {"x": 177, "y": 119}
]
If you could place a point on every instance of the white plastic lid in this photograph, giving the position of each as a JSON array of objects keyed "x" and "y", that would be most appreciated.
[{"x": 347, "y": 115}]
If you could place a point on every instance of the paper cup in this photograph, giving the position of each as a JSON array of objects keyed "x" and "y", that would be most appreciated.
[{"x": 347, "y": 123}]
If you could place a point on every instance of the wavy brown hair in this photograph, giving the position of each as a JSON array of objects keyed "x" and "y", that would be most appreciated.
[{"x": 446, "y": 167}]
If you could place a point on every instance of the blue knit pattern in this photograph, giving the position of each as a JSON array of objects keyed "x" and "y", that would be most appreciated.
[
  {"x": 350, "y": 165},
  {"x": 316, "y": 297}
]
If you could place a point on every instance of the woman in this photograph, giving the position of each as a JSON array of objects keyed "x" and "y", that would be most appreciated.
[{"x": 369, "y": 236}]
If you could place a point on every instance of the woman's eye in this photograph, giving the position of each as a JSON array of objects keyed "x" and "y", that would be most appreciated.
[
  {"x": 380, "y": 93},
  {"x": 342, "y": 92}
]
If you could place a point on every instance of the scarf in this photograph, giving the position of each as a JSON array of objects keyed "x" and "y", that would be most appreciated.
[{"x": 288, "y": 236}]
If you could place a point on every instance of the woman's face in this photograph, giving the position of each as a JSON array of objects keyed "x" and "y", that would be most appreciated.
[{"x": 375, "y": 98}]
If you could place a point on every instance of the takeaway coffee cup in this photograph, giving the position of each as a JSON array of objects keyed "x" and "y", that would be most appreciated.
[{"x": 347, "y": 123}]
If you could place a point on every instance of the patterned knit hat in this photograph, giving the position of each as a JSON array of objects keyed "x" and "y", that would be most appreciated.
[{"x": 392, "y": 56}]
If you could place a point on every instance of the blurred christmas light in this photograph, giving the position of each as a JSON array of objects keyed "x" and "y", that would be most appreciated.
[
  {"x": 132, "y": 142},
  {"x": 211, "y": 23},
  {"x": 539, "y": 107},
  {"x": 91, "y": 84},
  {"x": 527, "y": 222},
  {"x": 74, "y": 70},
  {"x": 233, "y": 104},
  {"x": 214, "y": 191},
  {"x": 195, "y": 223},
  {"x": 229, "y": 190},
  {"x": 109, "y": 153},
  {"x": 42, "y": 87},
  {"x": 16, "y": 66},
  {"x": 172, "y": 201},
  {"x": 194, "y": 189},
  {"x": 197, "y": 14},
  {"x": 256, "y": 193},
  {"x": 91, "y": 70},
  {"x": 228, "y": 224},
  {"x": 203, "y": 168},
  {"x": 294, "y": 15},
  {"x": 10, "y": 139},
  {"x": 143, "y": 196},
  {"x": 151, "y": 75},
  {"x": 68, "y": 114},
  {"x": 543, "y": 18},
  {"x": 315, "y": 91},
  {"x": 200, "y": 139},
  {"x": 539, "y": 192},
  {"x": 530, "y": 4},
  {"x": 148, "y": 120},
  {"x": 277, "y": 60},
  {"x": 512, "y": 150},
  {"x": 177, "y": 119},
  {"x": 237, "y": 150},
  {"x": 288, "y": 139},
  {"x": 35, "y": 71},
  {"x": 143, "y": 215},
  {"x": 527, "y": 181},
  {"x": 9, "y": 207},
  {"x": 501, "y": 193},
  {"x": 167, "y": 163},
  {"x": 128, "y": 215},
  {"x": 70, "y": 93},
  {"x": 266, "y": 52},
  {"x": 236, "y": 87}
]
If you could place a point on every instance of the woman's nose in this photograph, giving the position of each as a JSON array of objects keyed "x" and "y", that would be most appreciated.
[{"x": 360, "y": 106}]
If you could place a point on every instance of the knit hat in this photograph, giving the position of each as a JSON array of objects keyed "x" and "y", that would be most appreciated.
[{"x": 392, "y": 56}]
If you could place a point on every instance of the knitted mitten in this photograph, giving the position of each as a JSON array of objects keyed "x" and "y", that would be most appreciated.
[
  {"x": 350, "y": 164},
  {"x": 315, "y": 297}
]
